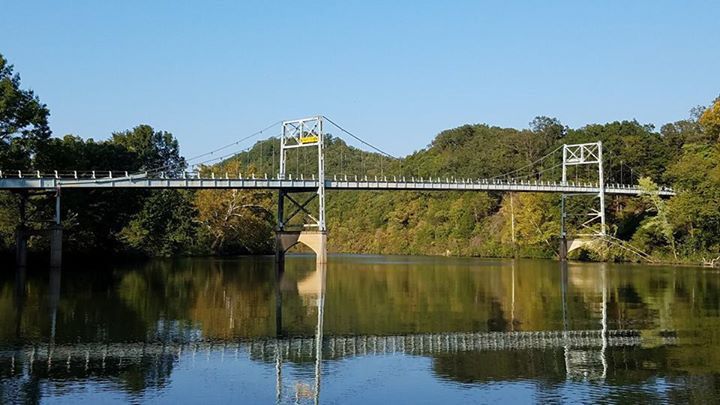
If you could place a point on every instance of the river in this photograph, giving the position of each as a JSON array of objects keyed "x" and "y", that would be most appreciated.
[{"x": 390, "y": 329}]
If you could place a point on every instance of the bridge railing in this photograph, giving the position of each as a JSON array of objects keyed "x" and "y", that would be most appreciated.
[
  {"x": 65, "y": 174},
  {"x": 78, "y": 177}
]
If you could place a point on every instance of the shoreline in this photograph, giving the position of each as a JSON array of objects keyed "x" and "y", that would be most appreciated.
[{"x": 37, "y": 259}]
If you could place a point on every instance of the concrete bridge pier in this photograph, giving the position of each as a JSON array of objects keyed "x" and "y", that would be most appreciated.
[
  {"x": 568, "y": 245},
  {"x": 56, "y": 234},
  {"x": 315, "y": 240},
  {"x": 563, "y": 252},
  {"x": 21, "y": 238}
]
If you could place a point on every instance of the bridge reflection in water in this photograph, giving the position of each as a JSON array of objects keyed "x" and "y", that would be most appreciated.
[{"x": 584, "y": 351}]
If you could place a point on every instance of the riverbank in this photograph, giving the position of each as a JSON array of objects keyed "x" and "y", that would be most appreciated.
[{"x": 41, "y": 258}]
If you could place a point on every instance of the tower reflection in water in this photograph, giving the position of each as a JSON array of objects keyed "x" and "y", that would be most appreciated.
[
  {"x": 582, "y": 362},
  {"x": 312, "y": 290}
]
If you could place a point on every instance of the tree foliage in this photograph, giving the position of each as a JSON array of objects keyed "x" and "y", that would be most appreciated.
[
  {"x": 21, "y": 112},
  {"x": 235, "y": 221},
  {"x": 659, "y": 223},
  {"x": 156, "y": 151},
  {"x": 710, "y": 120},
  {"x": 23, "y": 119},
  {"x": 164, "y": 226}
]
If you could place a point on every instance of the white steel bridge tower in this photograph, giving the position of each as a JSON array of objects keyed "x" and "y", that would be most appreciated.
[
  {"x": 578, "y": 155},
  {"x": 312, "y": 231}
]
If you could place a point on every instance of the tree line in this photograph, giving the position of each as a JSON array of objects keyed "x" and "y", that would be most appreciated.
[{"x": 683, "y": 154}]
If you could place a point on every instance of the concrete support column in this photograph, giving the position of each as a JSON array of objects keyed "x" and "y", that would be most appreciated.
[
  {"x": 321, "y": 250},
  {"x": 563, "y": 249},
  {"x": 21, "y": 236},
  {"x": 279, "y": 248},
  {"x": 56, "y": 234}
]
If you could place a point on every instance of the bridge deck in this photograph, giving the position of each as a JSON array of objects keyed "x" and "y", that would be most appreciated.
[{"x": 51, "y": 183}]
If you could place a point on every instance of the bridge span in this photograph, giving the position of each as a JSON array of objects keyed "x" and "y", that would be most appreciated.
[{"x": 44, "y": 182}]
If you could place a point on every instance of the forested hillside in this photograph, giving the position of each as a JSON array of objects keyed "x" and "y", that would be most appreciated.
[{"x": 684, "y": 154}]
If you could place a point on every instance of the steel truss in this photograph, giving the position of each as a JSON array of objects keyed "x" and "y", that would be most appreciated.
[
  {"x": 303, "y": 133},
  {"x": 585, "y": 154}
]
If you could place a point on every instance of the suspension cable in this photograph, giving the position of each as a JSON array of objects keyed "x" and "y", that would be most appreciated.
[
  {"x": 359, "y": 139},
  {"x": 247, "y": 157},
  {"x": 539, "y": 172},
  {"x": 260, "y": 132},
  {"x": 528, "y": 165},
  {"x": 212, "y": 152}
]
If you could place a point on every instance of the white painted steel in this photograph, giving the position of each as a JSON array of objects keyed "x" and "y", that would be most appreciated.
[{"x": 51, "y": 183}]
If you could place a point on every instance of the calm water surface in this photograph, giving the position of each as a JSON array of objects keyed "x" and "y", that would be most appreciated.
[{"x": 363, "y": 329}]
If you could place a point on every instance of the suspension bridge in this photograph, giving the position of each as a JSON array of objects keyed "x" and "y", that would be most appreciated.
[
  {"x": 104, "y": 180},
  {"x": 305, "y": 194}
]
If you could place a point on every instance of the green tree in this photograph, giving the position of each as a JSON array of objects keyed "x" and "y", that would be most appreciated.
[
  {"x": 23, "y": 120},
  {"x": 630, "y": 150},
  {"x": 93, "y": 219},
  {"x": 235, "y": 221},
  {"x": 156, "y": 151},
  {"x": 534, "y": 144},
  {"x": 165, "y": 225},
  {"x": 695, "y": 211},
  {"x": 21, "y": 112},
  {"x": 536, "y": 220},
  {"x": 710, "y": 120},
  {"x": 23, "y": 128},
  {"x": 660, "y": 223}
]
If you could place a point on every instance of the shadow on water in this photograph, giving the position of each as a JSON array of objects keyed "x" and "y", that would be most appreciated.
[{"x": 599, "y": 331}]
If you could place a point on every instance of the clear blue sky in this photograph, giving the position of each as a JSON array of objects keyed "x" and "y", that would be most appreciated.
[{"x": 394, "y": 72}]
